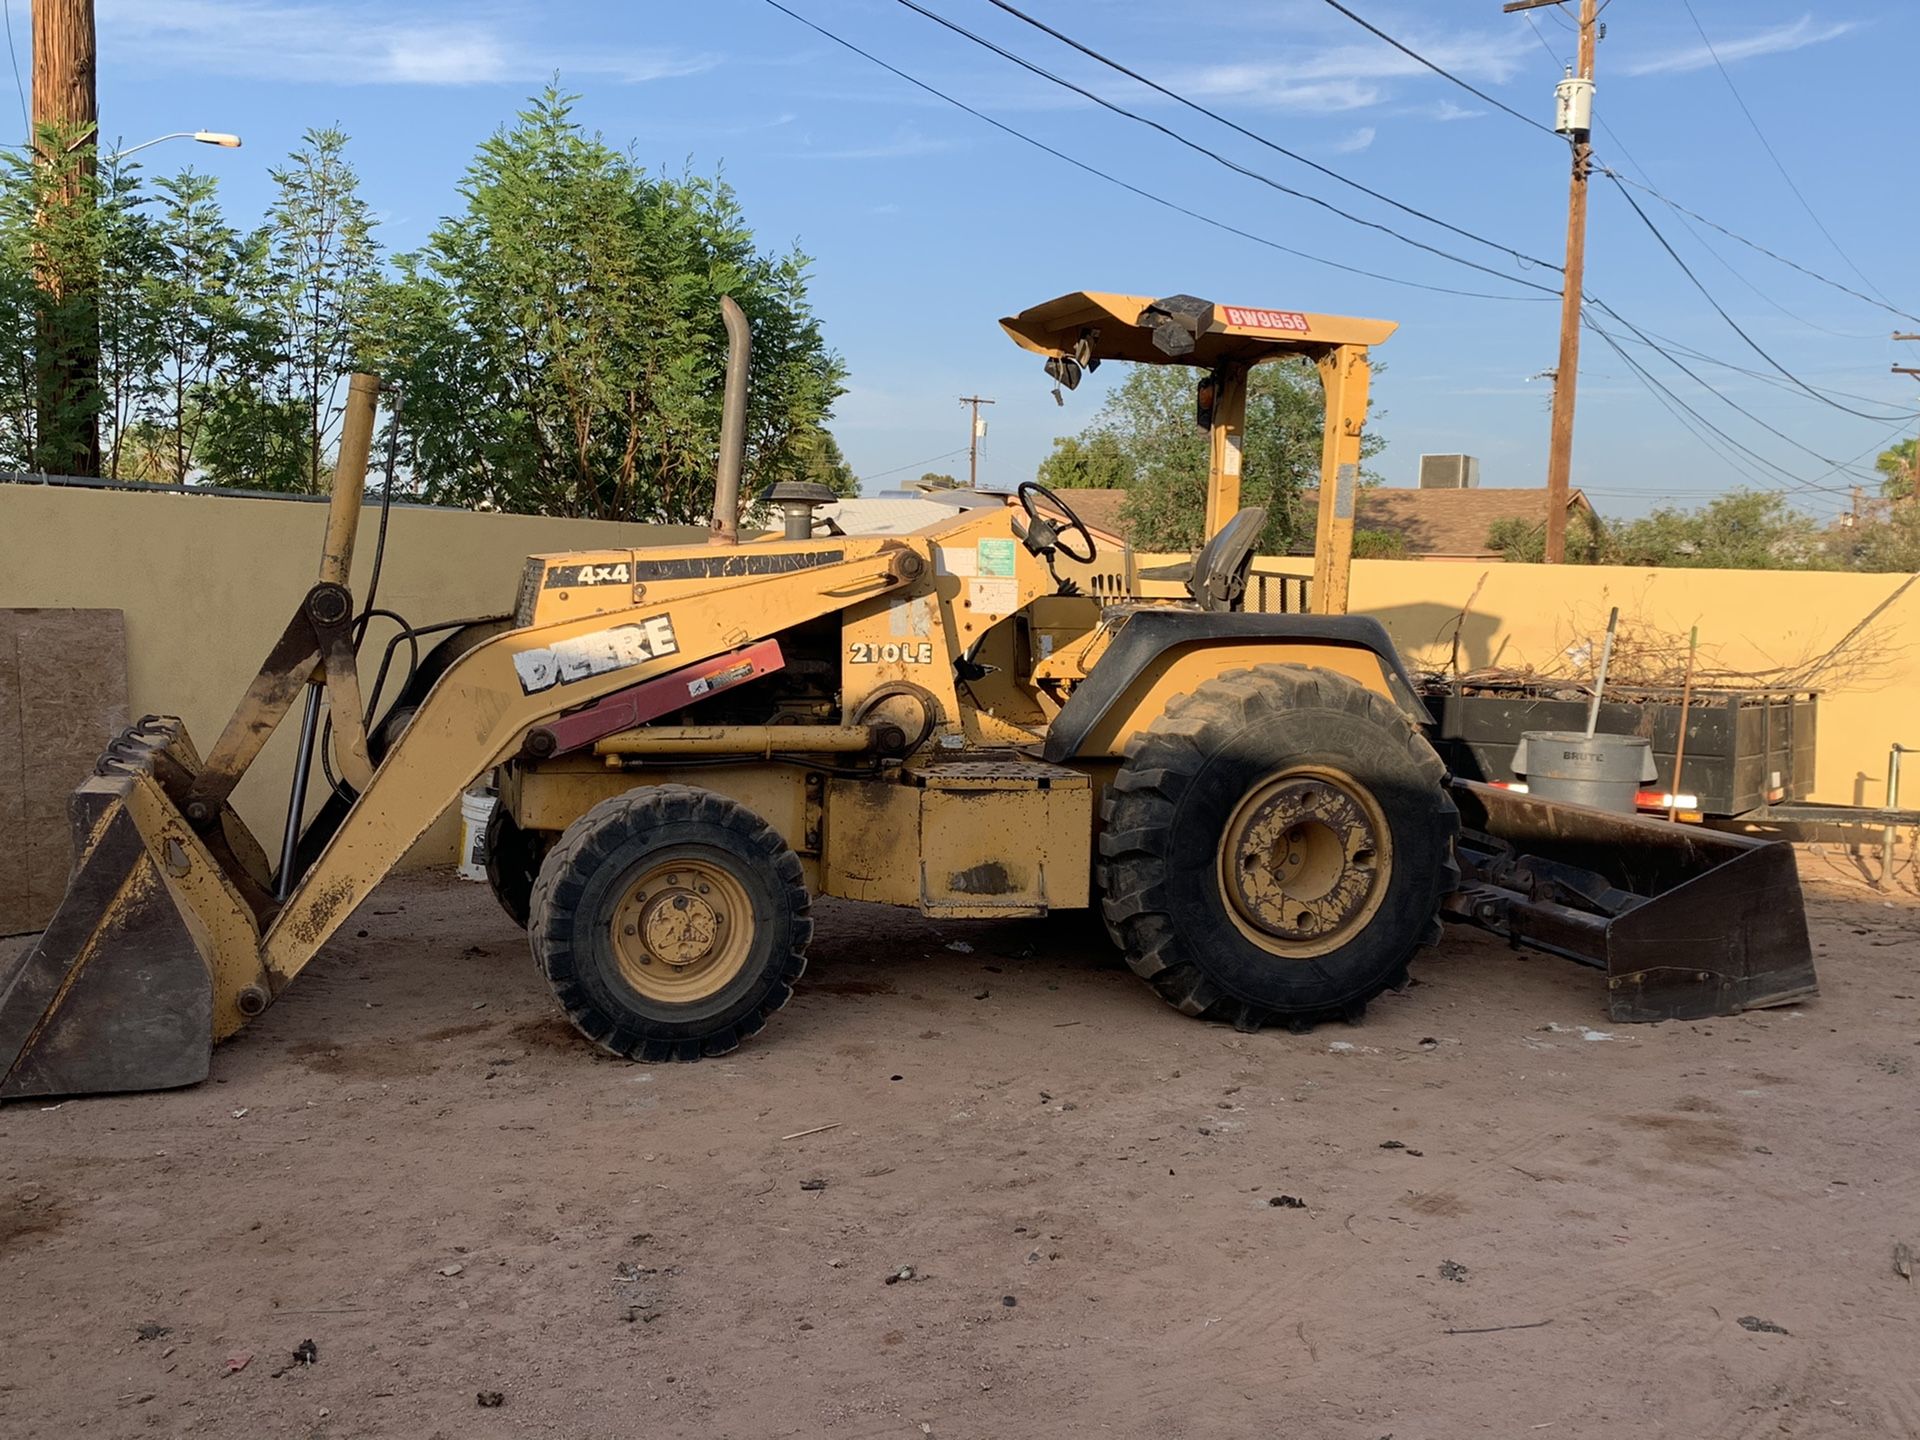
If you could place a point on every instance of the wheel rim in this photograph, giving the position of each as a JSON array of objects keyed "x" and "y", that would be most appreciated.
[
  {"x": 1305, "y": 862},
  {"x": 682, "y": 931}
]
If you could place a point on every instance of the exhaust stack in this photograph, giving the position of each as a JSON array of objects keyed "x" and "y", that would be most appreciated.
[{"x": 733, "y": 426}]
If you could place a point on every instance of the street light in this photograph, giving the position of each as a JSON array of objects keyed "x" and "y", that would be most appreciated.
[{"x": 205, "y": 137}]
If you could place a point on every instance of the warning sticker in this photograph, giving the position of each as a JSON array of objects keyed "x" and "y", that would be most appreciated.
[
  {"x": 994, "y": 596},
  {"x": 952, "y": 560},
  {"x": 996, "y": 557}
]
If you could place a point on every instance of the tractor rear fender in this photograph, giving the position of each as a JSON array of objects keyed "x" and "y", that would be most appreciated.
[{"x": 1160, "y": 653}]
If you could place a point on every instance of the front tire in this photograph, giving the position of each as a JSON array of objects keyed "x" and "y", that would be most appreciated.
[
  {"x": 670, "y": 922},
  {"x": 1275, "y": 847}
]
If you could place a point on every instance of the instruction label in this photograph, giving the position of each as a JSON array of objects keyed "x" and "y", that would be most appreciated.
[
  {"x": 595, "y": 653},
  {"x": 994, "y": 596},
  {"x": 996, "y": 557}
]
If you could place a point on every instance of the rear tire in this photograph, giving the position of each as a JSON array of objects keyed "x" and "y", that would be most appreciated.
[
  {"x": 1275, "y": 847},
  {"x": 670, "y": 922}
]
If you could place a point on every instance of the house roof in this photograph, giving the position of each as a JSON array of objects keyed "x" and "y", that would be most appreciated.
[
  {"x": 1099, "y": 508},
  {"x": 1438, "y": 523},
  {"x": 1445, "y": 524}
]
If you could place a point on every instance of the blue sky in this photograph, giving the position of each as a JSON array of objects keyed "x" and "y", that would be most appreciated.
[{"x": 927, "y": 224}]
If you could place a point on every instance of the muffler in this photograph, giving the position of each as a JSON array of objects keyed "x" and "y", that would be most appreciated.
[{"x": 1686, "y": 922}]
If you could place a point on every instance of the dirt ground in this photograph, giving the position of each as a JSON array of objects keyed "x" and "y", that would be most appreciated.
[{"x": 1482, "y": 1212}]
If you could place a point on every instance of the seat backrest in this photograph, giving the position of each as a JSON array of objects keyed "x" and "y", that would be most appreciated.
[{"x": 1219, "y": 576}]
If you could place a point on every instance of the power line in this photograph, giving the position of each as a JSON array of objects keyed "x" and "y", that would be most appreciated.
[
  {"x": 1664, "y": 392},
  {"x": 1213, "y": 155},
  {"x": 1773, "y": 155},
  {"x": 1722, "y": 260},
  {"x": 1260, "y": 139},
  {"x": 1679, "y": 209},
  {"x": 1413, "y": 54},
  {"x": 18, "y": 88},
  {"x": 1136, "y": 190},
  {"x": 1714, "y": 391},
  {"x": 913, "y": 465},
  {"x": 1733, "y": 324},
  {"x": 1881, "y": 302}
]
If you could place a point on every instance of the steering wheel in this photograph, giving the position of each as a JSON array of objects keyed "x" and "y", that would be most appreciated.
[{"x": 1047, "y": 534}]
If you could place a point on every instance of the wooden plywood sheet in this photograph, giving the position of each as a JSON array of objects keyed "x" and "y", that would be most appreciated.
[{"x": 63, "y": 696}]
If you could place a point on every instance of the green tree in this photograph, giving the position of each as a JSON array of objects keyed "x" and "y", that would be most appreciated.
[
  {"x": 822, "y": 463},
  {"x": 1098, "y": 462},
  {"x": 131, "y": 344},
  {"x": 1745, "y": 530},
  {"x": 1379, "y": 544},
  {"x": 937, "y": 480},
  {"x": 205, "y": 332},
  {"x": 1897, "y": 468},
  {"x": 1148, "y": 421},
  {"x": 1524, "y": 542},
  {"x": 561, "y": 342},
  {"x": 51, "y": 243},
  {"x": 307, "y": 280}
]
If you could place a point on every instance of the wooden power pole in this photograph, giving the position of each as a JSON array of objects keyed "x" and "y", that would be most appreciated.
[
  {"x": 1575, "y": 122},
  {"x": 64, "y": 100},
  {"x": 975, "y": 428},
  {"x": 1913, "y": 466}
]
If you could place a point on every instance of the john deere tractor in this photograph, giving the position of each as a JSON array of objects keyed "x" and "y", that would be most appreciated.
[{"x": 974, "y": 720}]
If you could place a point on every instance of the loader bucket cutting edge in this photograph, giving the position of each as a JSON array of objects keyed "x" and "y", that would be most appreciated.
[
  {"x": 119, "y": 993},
  {"x": 1687, "y": 923}
]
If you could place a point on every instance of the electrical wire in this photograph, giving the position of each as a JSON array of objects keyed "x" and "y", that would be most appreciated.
[
  {"x": 6, "y": 7},
  {"x": 1136, "y": 190},
  {"x": 1733, "y": 324},
  {"x": 1772, "y": 154},
  {"x": 1718, "y": 394},
  {"x": 1260, "y": 139},
  {"x": 913, "y": 465},
  {"x": 1213, "y": 155},
  {"x": 1788, "y": 480},
  {"x": 1617, "y": 143},
  {"x": 1880, "y": 303},
  {"x": 1679, "y": 209},
  {"x": 1415, "y": 55}
]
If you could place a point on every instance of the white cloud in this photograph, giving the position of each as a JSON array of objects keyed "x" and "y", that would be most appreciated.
[
  {"x": 906, "y": 144},
  {"x": 363, "y": 44},
  {"x": 1356, "y": 142},
  {"x": 1330, "y": 79},
  {"x": 1780, "y": 40}
]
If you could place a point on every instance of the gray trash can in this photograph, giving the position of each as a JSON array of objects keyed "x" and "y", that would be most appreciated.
[{"x": 1604, "y": 771}]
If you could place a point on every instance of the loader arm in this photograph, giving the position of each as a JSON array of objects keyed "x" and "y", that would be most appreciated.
[{"x": 483, "y": 707}]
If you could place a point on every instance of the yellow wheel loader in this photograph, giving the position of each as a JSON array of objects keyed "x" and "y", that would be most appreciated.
[{"x": 975, "y": 720}]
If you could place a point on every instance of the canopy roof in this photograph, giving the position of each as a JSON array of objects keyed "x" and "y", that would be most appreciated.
[{"x": 1122, "y": 327}]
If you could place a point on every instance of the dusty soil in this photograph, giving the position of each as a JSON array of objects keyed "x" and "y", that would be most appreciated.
[{"x": 1508, "y": 1224}]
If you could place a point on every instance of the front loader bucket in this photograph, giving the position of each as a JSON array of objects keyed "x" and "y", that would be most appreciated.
[
  {"x": 1686, "y": 922},
  {"x": 150, "y": 946}
]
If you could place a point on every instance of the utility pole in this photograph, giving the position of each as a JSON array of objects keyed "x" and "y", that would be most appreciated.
[
  {"x": 1913, "y": 466},
  {"x": 975, "y": 430},
  {"x": 68, "y": 364},
  {"x": 1575, "y": 121}
]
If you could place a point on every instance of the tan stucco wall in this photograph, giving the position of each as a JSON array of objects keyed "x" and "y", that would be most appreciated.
[
  {"x": 208, "y": 583},
  {"x": 1528, "y": 616}
]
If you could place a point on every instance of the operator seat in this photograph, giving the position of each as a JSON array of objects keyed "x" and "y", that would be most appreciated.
[{"x": 1219, "y": 576}]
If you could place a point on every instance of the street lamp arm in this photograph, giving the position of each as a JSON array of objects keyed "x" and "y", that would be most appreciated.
[{"x": 206, "y": 137}]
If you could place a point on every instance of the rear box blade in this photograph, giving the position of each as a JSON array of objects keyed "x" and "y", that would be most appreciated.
[{"x": 1687, "y": 922}]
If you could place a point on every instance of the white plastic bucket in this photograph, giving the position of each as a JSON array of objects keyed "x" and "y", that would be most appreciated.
[{"x": 475, "y": 812}]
